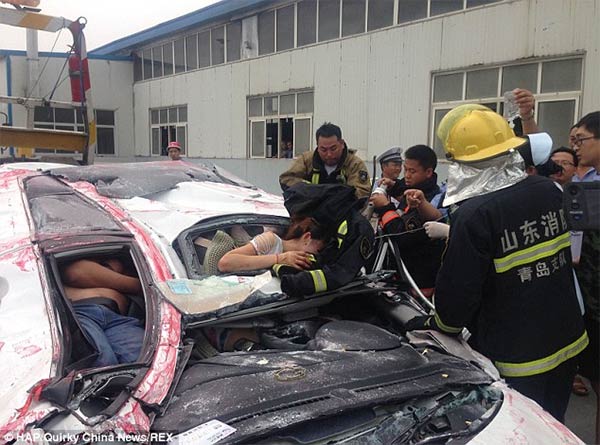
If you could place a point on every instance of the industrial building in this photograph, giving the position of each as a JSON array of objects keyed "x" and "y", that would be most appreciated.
[{"x": 238, "y": 81}]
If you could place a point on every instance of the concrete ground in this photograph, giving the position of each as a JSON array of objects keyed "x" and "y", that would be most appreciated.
[{"x": 581, "y": 416}]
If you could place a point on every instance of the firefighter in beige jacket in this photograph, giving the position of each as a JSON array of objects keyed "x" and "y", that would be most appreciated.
[{"x": 331, "y": 163}]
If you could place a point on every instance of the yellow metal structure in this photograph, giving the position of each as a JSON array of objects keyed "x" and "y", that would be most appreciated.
[
  {"x": 25, "y": 140},
  {"x": 29, "y": 138},
  {"x": 29, "y": 3}
]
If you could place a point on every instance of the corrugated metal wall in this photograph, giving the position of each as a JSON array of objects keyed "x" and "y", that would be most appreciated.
[{"x": 376, "y": 86}]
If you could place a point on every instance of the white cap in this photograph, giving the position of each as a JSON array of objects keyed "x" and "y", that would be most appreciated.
[{"x": 541, "y": 147}]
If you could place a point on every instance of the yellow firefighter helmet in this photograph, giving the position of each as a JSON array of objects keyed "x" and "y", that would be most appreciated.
[{"x": 473, "y": 132}]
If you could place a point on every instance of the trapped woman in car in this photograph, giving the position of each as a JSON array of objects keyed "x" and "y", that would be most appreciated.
[{"x": 303, "y": 239}]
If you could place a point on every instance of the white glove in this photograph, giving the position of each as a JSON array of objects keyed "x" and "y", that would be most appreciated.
[{"x": 436, "y": 230}]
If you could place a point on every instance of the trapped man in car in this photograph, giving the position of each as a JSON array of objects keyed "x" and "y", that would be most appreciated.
[
  {"x": 97, "y": 290},
  {"x": 331, "y": 163}
]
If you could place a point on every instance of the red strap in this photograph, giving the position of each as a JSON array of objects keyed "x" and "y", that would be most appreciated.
[{"x": 387, "y": 217}]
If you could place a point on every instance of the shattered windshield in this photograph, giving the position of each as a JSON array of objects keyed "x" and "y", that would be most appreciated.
[{"x": 221, "y": 295}]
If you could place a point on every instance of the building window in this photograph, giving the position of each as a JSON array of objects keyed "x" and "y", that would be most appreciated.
[
  {"x": 138, "y": 73},
  {"x": 68, "y": 119},
  {"x": 307, "y": 22},
  {"x": 217, "y": 45},
  {"x": 157, "y": 66},
  {"x": 411, "y": 10},
  {"x": 166, "y": 125},
  {"x": 381, "y": 14},
  {"x": 353, "y": 17},
  {"x": 285, "y": 28},
  {"x": 105, "y": 129},
  {"x": 204, "y": 49},
  {"x": 179, "y": 47},
  {"x": 168, "y": 59},
  {"x": 280, "y": 126},
  {"x": 556, "y": 85},
  {"x": 266, "y": 32},
  {"x": 437, "y": 7},
  {"x": 294, "y": 25},
  {"x": 329, "y": 20},
  {"x": 147, "y": 63},
  {"x": 234, "y": 41}
]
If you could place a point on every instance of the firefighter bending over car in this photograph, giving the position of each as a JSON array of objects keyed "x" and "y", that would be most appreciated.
[
  {"x": 506, "y": 274},
  {"x": 333, "y": 206}
]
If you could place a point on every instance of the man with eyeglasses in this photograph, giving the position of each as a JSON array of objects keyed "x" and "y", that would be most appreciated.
[
  {"x": 566, "y": 158},
  {"x": 587, "y": 141},
  {"x": 331, "y": 163}
]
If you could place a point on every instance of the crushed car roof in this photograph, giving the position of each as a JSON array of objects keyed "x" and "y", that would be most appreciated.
[
  {"x": 168, "y": 197},
  {"x": 124, "y": 181}
]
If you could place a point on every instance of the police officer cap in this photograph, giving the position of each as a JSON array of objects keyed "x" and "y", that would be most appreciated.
[{"x": 393, "y": 154}]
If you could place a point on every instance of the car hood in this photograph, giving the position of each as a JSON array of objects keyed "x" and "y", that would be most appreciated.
[
  {"x": 258, "y": 393},
  {"x": 520, "y": 419}
]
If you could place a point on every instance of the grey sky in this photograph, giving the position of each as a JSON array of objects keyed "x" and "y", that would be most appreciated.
[{"x": 108, "y": 20}]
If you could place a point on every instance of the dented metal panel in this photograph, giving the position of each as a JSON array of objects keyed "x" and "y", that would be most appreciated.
[
  {"x": 27, "y": 339},
  {"x": 521, "y": 420},
  {"x": 57, "y": 210},
  {"x": 129, "y": 180},
  {"x": 171, "y": 212}
]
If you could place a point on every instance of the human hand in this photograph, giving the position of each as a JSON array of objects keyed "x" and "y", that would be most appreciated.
[
  {"x": 379, "y": 200},
  {"x": 387, "y": 182},
  {"x": 526, "y": 102},
  {"x": 414, "y": 197},
  {"x": 294, "y": 258},
  {"x": 436, "y": 230}
]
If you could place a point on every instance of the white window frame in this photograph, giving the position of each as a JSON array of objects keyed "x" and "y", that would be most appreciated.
[
  {"x": 557, "y": 96},
  {"x": 114, "y": 129},
  {"x": 278, "y": 116},
  {"x": 254, "y": 120},
  {"x": 76, "y": 126},
  {"x": 310, "y": 136},
  {"x": 159, "y": 125}
]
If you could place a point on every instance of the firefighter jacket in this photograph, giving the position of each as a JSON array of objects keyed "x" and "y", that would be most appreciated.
[
  {"x": 421, "y": 255},
  {"x": 333, "y": 206},
  {"x": 507, "y": 276},
  {"x": 309, "y": 168}
]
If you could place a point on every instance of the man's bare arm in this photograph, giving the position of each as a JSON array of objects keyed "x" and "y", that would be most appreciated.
[{"x": 89, "y": 274}]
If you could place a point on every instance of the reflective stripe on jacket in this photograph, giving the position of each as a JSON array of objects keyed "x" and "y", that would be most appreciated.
[
  {"x": 306, "y": 168},
  {"x": 507, "y": 276}
]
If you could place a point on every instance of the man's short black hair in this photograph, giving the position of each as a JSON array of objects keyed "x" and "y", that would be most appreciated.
[
  {"x": 327, "y": 130},
  {"x": 567, "y": 150},
  {"x": 423, "y": 154},
  {"x": 591, "y": 122}
]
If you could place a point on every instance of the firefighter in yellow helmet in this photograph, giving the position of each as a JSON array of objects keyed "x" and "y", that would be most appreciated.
[{"x": 506, "y": 274}]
